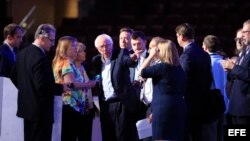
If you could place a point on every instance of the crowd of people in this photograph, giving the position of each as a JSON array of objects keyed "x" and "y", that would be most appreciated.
[{"x": 158, "y": 84}]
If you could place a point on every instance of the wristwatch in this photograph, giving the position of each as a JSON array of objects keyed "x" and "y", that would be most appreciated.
[{"x": 71, "y": 85}]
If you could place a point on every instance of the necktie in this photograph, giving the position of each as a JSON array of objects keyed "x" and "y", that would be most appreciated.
[{"x": 242, "y": 56}]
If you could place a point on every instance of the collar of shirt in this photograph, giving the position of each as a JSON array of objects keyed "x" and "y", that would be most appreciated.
[
  {"x": 39, "y": 47},
  {"x": 213, "y": 53},
  {"x": 157, "y": 61},
  {"x": 10, "y": 47},
  {"x": 143, "y": 55},
  {"x": 107, "y": 60},
  {"x": 187, "y": 45},
  {"x": 247, "y": 49}
]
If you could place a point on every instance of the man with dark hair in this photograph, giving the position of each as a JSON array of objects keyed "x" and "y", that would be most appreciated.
[
  {"x": 13, "y": 35},
  {"x": 138, "y": 42},
  {"x": 197, "y": 65},
  {"x": 33, "y": 77},
  {"x": 125, "y": 39}
]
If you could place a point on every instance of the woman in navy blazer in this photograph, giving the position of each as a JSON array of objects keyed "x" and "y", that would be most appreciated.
[{"x": 168, "y": 105}]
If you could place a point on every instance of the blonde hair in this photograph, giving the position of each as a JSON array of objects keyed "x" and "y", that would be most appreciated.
[
  {"x": 155, "y": 40},
  {"x": 63, "y": 44},
  {"x": 168, "y": 52},
  {"x": 80, "y": 46}
]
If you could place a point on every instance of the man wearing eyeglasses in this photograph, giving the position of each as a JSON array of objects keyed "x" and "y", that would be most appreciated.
[
  {"x": 36, "y": 86},
  {"x": 239, "y": 104},
  {"x": 239, "y": 41}
]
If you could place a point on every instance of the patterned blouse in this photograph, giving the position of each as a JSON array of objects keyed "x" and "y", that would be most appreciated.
[{"x": 75, "y": 97}]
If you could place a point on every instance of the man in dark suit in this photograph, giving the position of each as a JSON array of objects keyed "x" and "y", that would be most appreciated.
[
  {"x": 117, "y": 98},
  {"x": 13, "y": 35},
  {"x": 125, "y": 39},
  {"x": 239, "y": 104},
  {"x": 33, "y": 77},
  {"x": 138, "y": 43},
  {"x": 197, "y": 65}
]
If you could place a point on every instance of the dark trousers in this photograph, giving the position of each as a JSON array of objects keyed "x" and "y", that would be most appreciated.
[
  {"x": 37, "y": 131},
  {"x": 147, "y": 113},
  {"x": 116, "y": 123},
  {"x": 240, "y": 120},
  {"x": 75, "y": 126},
  {"x": 193, "y": 131}
]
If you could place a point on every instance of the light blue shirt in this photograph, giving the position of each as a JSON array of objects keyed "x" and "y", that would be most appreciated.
[{"x": 142, "y": 58}]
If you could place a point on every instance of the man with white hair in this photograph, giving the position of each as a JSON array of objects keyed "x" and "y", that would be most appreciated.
[{"x": 118, "y": 101}]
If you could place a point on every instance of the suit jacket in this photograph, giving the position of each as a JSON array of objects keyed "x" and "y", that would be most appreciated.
[
  {"x": 132, "y": 70},
  {"x": 36, "y": 85},
  {"x": 142, "y": 111},
  {"x": 120, "y": 79},
  {"x": 197, "y": 65},
  {"x": 6, "y": 60},
  {"x": 239, "y": 104},
  {"x": 168, "y": 105}
]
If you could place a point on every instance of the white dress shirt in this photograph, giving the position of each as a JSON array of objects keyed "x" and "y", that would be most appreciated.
[{"x": 106, "y": 80}]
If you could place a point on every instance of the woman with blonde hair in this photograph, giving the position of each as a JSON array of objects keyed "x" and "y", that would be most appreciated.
[
  {"x": 74, "y": 101},
  {"x": 90, "y": 109},
  {"x": 168, "y": 105}
]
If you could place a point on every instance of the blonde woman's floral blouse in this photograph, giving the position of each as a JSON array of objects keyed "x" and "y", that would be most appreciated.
[{"x": 74, "y": 97}]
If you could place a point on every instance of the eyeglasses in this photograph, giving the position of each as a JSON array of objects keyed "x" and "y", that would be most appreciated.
[
  {"x": 238, "y": 39},
  {"x": 246, "y": 31},
  {"x": 51, "y": 40},
  {"x": 104, "y": 46}
]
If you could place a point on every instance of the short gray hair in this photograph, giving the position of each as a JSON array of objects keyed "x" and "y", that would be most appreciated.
[{"x": 44, "y": 30}]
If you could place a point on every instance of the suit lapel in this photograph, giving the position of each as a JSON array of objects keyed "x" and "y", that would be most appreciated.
[
  {"x": 188, "y": 47},
  {"x": 10, "y": 54},
  {"x": 246, "y": 57}
]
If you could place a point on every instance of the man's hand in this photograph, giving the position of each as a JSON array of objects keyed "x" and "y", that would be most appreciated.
[
  {"x": 65, "y": 87},
  {"x": 91, "y": 83},
  {"x": 227, "y": 64},
  {"x": 150, "y": 118}
]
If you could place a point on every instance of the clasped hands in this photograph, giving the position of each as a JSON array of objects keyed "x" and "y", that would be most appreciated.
[{"x": 227, "y": 64}]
